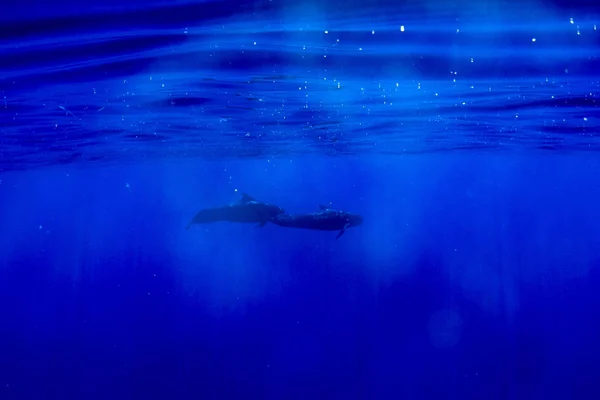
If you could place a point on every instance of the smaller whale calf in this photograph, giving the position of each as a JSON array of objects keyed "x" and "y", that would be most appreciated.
[
  {"x": 248, "y": 210},
  {"x": 326, "y": 220}
]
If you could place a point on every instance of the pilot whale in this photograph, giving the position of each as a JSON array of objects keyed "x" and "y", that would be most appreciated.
[
  {"x": 248, "y": 210},
  {"x": 326, "y": 220}
]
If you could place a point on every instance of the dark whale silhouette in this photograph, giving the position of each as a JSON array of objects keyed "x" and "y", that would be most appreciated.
[
  {"x": 326, "y": 220},
  {"x": 246, "y": 210}
]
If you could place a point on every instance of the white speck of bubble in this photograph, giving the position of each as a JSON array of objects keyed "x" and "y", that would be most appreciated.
[
  {"x": 594, "y": 26},
  {"x": 372, "y": 32},
  {"x": 533, "y": 39},
  {"x": 396, "y": 84},
  {"x": 571, "y": 20},
  {"x": 471, "y": 59},
  {"x": 326, "y": 32},
  {"x": 360, "y": 49},
  {"x": 457, "y": 30},
  {"x": 585, "y": 118},
  {"x": 401, "y": 28},
  {"x": 255, "y": 43},
  {"x": 40, "y": 227}
]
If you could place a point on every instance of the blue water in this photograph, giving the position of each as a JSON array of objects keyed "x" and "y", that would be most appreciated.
[{"x": 466, "y": 134}]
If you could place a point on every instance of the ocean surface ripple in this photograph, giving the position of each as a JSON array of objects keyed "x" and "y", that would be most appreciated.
[{"x": 269, "y": 79}]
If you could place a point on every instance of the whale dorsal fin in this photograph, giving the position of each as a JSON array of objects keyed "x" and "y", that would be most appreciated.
[{"x": 247, "y": 198}]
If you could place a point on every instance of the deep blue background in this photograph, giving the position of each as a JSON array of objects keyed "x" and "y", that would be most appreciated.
[
  {"x": 473, "y": 276},
  {"x": 472, "y": 157}
]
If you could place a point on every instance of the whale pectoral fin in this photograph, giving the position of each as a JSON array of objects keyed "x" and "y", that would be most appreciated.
[{"x": 342, "y": 231}]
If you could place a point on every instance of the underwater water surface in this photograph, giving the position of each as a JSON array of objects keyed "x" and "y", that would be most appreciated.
[{"x": 466, "y": 134}]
